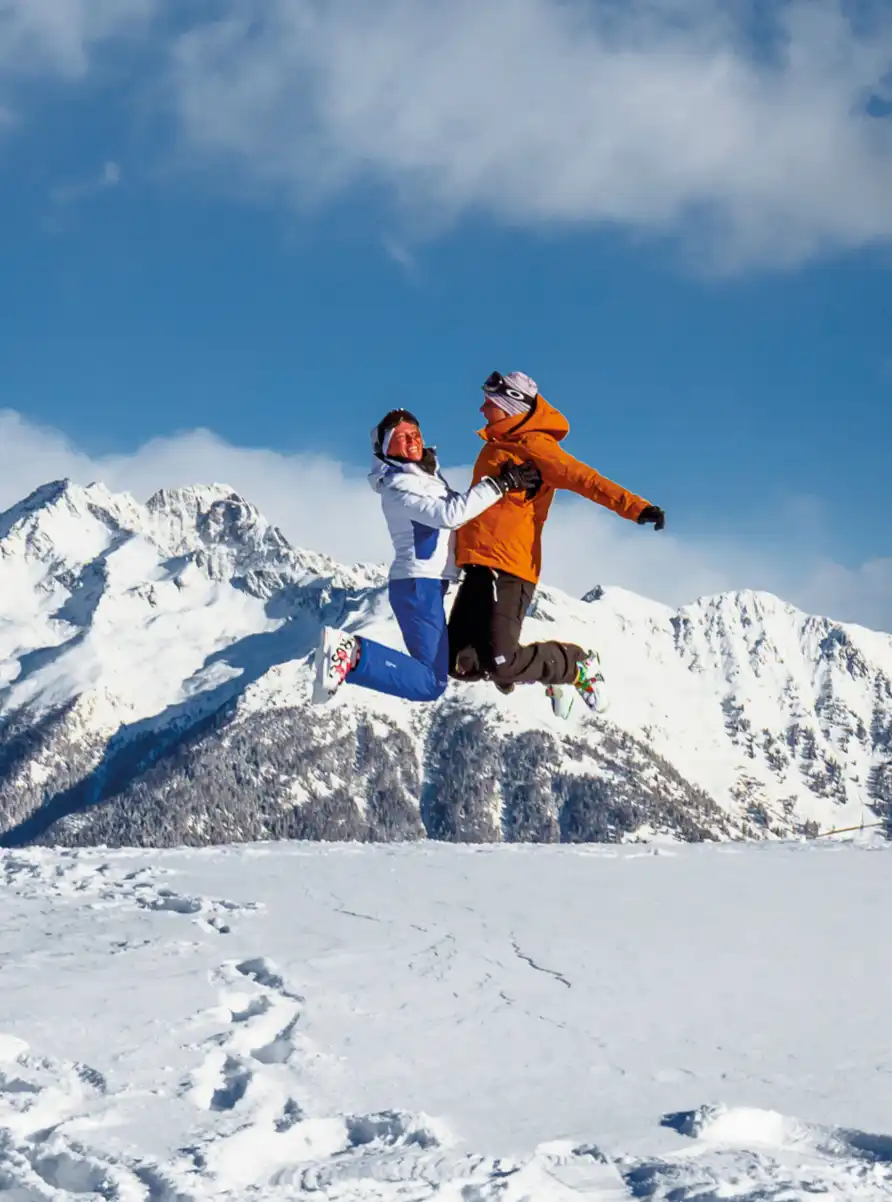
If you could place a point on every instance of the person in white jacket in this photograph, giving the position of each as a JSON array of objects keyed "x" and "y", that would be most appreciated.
[{"x": 422, "y": 514}]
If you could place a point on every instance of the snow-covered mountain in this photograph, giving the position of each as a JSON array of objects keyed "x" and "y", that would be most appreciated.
[{"x": 154, "y": 689}]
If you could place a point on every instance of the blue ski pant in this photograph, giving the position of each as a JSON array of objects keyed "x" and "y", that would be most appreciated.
[{"x": 421, "y": 675}]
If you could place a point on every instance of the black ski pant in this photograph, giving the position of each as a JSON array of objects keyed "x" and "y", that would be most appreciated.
[{"x": 484, "y": 634}]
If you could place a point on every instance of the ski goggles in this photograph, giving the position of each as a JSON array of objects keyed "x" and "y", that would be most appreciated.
[{"x": 495, "y": 384}]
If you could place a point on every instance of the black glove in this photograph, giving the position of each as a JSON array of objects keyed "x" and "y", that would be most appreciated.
[
  {"x": 654, "y": 514},
  {"x": 519, "y": 477}
]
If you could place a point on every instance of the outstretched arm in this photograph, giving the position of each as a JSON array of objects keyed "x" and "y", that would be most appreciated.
[{"x": 561, "y": 470}]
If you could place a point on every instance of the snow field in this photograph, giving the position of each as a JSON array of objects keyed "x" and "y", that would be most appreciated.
[{"x": 460, "y": 1023}]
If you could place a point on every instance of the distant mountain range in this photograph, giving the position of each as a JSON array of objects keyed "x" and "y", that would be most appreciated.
[{"x": 155, "y": 666}]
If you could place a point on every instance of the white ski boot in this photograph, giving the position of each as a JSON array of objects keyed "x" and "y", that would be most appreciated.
[
  {"x": 561, "y": 697},
  {"x": 335, "y": 656}
]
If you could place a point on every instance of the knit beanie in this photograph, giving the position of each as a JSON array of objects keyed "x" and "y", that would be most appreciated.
[{"x": 520, "y": 397}]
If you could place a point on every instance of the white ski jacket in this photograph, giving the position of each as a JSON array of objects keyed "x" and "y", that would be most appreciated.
[{"x": 422, "y": 514}]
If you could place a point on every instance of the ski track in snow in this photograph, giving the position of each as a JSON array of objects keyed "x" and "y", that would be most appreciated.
[{"x": 258, "y": 1132}]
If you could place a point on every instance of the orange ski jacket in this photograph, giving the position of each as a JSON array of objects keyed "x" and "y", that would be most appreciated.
[{"x": 508, "y": 536}]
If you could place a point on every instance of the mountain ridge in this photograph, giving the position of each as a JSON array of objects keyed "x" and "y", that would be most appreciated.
[{"x": 155, "y": 663}]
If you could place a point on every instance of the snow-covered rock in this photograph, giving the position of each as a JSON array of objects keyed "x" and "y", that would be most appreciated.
[{"x": 154, "y": 688}]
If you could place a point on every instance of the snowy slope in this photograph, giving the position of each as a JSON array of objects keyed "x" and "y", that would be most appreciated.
[
  {"x": 431, "y": 1022},
  {"x": 154, "y": 682}
]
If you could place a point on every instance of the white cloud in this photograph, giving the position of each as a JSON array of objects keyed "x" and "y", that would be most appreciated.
[
  {"x": 635, "y": 114},
  {"x": 57, "y": 39},
  {"x": 286, "y": 488},
  {"x": 57, "y": 36},
  {"x": 325, "y": 505},
  {"x": 652, "y": 116}
]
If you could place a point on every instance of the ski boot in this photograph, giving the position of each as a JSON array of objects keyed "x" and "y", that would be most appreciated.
[
  {"x": 337, "y": 653},
  {"x": 589, "y": 685}
]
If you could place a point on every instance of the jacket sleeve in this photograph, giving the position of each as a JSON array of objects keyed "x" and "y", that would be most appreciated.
[
  {"x": 443, "y": 513},
  {"x": 561, "y": 470}
]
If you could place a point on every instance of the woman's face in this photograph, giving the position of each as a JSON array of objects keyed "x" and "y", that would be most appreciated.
[{"x": 406, "y": 442}]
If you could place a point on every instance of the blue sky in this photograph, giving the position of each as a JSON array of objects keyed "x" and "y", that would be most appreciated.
[{"x": 277, "y": 224}]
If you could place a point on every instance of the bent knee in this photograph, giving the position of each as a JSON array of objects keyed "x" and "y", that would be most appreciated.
[
  {"x": 502, "y": 674},
  {"x": 465, "y": 662}
]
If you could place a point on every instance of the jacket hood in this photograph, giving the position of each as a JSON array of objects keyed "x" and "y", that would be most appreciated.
[
  {"x": 377, "y": 472},
  {"x": 379, "y": 466},
  {"x": 542, "y": 418}
]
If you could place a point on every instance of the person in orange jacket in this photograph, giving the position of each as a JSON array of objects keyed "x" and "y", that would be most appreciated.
[{"x": 500, "y": 551}]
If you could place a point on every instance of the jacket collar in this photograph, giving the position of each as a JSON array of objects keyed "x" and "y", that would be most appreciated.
[{"x": 542, "y": 418}]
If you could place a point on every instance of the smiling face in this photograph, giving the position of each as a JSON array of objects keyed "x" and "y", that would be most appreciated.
[{"x": 406, "y": 442}]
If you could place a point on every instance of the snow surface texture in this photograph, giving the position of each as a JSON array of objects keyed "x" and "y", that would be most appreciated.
[
  {"x": 431, "y": 1022},
  {"x": 155, "y": 665}
]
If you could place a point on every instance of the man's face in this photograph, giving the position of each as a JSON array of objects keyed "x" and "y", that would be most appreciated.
[
  {"x": 491, "y": 411},
  {"x": 406, "y": 442}
]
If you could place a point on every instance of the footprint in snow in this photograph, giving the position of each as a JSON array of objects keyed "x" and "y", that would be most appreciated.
[
  {"x": 235, "y": 1078},
  {"x": 220, "y": 1083},
  {"x": 260, "y": 1015},
  {"x": 254, "y": 1009},
  {"x": 212, "y": 914},
  {"x": 49, "y": 1168},
  {"x": 166, "y": 899},
  {"x": 38, "y": 1162},
  {"x": 76, "y": 873},
  {"x": 280, "y": 1049},
  {"x": 265, "y": 973},
  {"x": 70, "y": 1171},
  {"x": 765, "y": 1155},
  {"x": 41, "y": 1092},
  {"x": 291, "y": 1115}
]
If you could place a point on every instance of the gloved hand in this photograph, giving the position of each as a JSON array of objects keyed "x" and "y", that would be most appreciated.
[
  {"x": 519, "y": 477},
  {"x": 654, "y": 514}
]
